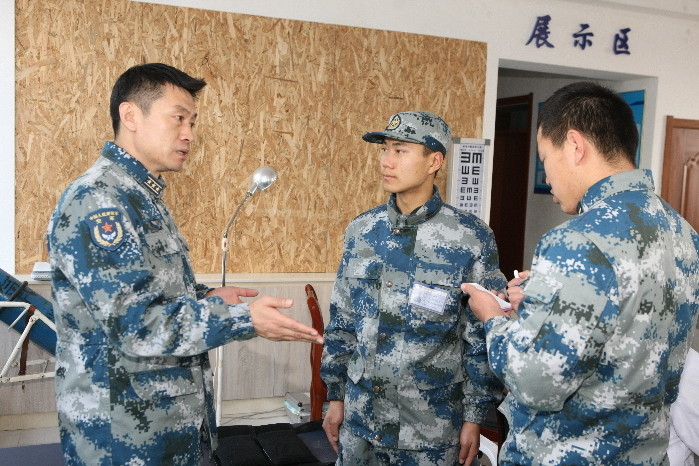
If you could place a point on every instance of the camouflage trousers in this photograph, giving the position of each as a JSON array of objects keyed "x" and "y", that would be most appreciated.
[{"x": 355, "y": 451}]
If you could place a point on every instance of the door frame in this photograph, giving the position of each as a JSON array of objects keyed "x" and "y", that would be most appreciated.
[{"x": 673, "y": 167}]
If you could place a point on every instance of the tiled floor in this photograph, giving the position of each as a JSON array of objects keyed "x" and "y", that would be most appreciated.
[{"x": 16, "y": 438}]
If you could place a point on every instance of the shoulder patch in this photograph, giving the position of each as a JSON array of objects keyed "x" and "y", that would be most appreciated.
[{"x": 106, "y": 228}]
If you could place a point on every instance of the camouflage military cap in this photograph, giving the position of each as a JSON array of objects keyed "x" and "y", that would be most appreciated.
[{"x": 420, "y": 127}]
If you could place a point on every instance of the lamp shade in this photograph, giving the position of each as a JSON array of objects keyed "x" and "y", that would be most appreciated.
[{"x": 262, "y": 179}]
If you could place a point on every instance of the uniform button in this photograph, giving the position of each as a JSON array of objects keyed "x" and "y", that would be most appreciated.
[
  {"x": 382, "y": 336},
  {"x": 377, "y": 437},
  {"x": 396, "y": 231},
  {"x": 377, "y": 389},
  {"x": 389, "y": 284}
]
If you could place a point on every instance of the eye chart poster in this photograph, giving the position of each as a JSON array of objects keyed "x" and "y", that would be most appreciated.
[{"x": 466, "y": 186}]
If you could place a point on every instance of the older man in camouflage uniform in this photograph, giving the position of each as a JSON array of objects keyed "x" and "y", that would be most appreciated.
[
  {"x": 404, "y": 361},
  {"x": 607, "y": 312},
  {"x": 133, "y": 380}
]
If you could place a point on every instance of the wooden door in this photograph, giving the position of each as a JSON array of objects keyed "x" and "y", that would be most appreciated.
[
  {"x": 681, "y": 168},
  {"x": 508, "y": 208}
]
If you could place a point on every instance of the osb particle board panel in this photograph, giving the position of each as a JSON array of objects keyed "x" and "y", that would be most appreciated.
[{"x": 294, "y": 95}]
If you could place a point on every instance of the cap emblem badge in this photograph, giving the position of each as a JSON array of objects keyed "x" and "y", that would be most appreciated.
[{"x": 394, "y": 123}]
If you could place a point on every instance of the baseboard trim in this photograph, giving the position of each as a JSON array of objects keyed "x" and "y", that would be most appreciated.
[{"x": 28, "y": 421}]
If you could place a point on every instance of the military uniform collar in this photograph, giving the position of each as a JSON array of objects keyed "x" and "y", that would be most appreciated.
[
  {"x": 155, "y": 185},
  {"x": 417, "y": 216},
  {"x": 630, "y": 180}
]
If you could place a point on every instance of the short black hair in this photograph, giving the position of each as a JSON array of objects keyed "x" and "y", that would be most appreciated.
[
  {"x": 599, "y": 113},
  {"x": 143, "y": 84}
]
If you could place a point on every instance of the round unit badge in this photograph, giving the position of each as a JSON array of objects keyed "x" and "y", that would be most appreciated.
[
  {"x": 106, "y": 228},
  {"x": 394, "y": 123}
]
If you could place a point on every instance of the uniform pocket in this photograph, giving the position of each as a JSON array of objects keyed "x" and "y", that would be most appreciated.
[
  {"x": 442, "y": 369},
  {"x": 360, "y": 268},
  {"x": 440, "y": 353},
  {"x": 163, "y": 383},
  {"x": 540, "y": 294},
  {"x": 364, "y": 281},
  {"x": 162, "y": 244},
  {"x": 444, "y": 281}
]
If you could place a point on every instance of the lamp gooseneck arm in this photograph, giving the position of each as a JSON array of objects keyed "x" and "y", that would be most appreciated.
[{"x": 224, "y": 239}]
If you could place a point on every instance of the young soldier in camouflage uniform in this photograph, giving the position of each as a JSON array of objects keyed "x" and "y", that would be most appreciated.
[
  {"x": 404, "y": 362},
  {"x": 133, "y": 380},
  {"x": 608, "y": 309}
]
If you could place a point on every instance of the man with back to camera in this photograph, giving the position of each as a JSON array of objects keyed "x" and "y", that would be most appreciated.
[
  {"x": 404, "y": 361},
  {"x": 607, "y": 311},
  {"x": 133, "y": 380}
]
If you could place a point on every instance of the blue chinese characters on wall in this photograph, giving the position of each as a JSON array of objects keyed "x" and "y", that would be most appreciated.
[{"x": 582, "y": 38}]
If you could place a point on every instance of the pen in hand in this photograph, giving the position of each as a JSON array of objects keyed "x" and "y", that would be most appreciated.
[{"x": 514, "y": 290}]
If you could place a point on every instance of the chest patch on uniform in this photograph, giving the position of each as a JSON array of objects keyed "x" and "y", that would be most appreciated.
[
  {"x": 426, "y": 297},
  {"x": 106, "y": 228}
]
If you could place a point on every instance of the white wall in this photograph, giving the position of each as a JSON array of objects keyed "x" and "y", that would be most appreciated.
[
  {"x": 7, "y": 136},
  {"x": 662, "y": 46}
]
